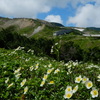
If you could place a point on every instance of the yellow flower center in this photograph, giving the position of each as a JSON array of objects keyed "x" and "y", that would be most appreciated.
[
  {"x": 95, "y": 92},
  {"x": 78, "y": 79},
  {"x": 51, "y": 82},
  {"x": 45, "y": 76},
  {"x": 49, "y": 71},
  {"x": 89, "y": 84},
  {"x": 57, "y": 71},
  {"x": 69, "y": 89},
  {"x": 84, "y": 79},
  {"x": 43, "y": 82}
]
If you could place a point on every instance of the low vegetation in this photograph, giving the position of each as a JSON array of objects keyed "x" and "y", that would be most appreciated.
[
  {"x": 48, "y": 67},
  {"x": 69, "y": 47},
  {"x": 25, "y": 76}
]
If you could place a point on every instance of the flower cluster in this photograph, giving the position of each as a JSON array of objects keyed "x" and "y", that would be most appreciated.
[
  {"x": 56, "y": 71},
  {"x": 37, "y": 66},
  {"x": 69, "y": 91},
  {"x": 88, "y": 85},
  {"x": 46, "y": 76},
  {"x": 26, "y": 76},
  {"x": 17, "y": 73}
]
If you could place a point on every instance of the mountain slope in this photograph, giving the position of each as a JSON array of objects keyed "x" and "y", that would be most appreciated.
[
  {"x": 29, "y": 27},
  {"x": 26, "y": 26}
]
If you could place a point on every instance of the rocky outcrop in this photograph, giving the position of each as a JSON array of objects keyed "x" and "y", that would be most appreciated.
[{"x": 20, "y": 22}]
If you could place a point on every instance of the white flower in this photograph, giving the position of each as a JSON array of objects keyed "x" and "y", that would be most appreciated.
[
  {"x": 75, "y": 63},
  {"x": 16, "y": 71},
  {"x": 27, "y": 60},
  {"x": 17, "y": 76},
  {"x": 36, "y": 67},
  {"x": 98, "y": 76},
  {"x": 98, "y": 80},
  {"x": 88, "y": 84},
  {"x": 49, "y": 65},
  {"x": 51, "y": 50},
  {"x": 69, "y": 71},
  {"x": 18, "y": 48},
  {"x": 66, "y": 64},
  {"x": 68, "y": 89},
  {"x": 45, "y": 77},
  {"x": 32, "y": 51},
  {"x": 23, "y": 82},
  {"x": 56, "y": 43},
  {"x": 95, "y": 66},
  {"x": 69, "y": 66},
  {"x": 75, "y": 89},
  {"x": 78, "y": 79},
  {"x": 4, "y": 66},
  {"x": 5, "y": 72},
  {"x": 10, "y": 85},
  {"x": 84, "y": 79},
  {"x": 29, "y": 50},
  {"x": 94, "y": 93},
  {"x": 42, "y": 83},
  {"x": 45, "y": 66},
  {"x": 25, "y": 89},
  {"x": 56, "y": 71},
  {"x": 68, "y": 95},
  {"x": 31, "y": 68},
  {"x": 49, "y": 70},
  {"x": 6, "y": 81}
]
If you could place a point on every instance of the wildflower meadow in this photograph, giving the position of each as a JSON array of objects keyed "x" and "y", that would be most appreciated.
[{"x": 24, "y": 76}]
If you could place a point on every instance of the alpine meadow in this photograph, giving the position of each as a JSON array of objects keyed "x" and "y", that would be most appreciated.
[{"x": 42, "y": 60}]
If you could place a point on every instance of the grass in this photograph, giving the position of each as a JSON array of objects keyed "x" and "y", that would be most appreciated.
[
  {"x": 18, "y": 66},
  {"x": 26, "y": 30},
  {"x": 92, "y": 31},
  {"x": 47, "y": 32},
  {"x": 29, "y": 29},
  {"x": 85, "y": 43}
]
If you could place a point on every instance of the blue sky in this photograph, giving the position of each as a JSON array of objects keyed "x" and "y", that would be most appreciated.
[
  {"x": 79, "y": 13},
  {"x": 63, "y": 12}
]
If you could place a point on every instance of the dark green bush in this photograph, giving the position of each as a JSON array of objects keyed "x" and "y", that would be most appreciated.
[
  {"x": 10, "y": 39},
  {"x": 70, "y": 51},
  {"x": 93, "y": 55}
]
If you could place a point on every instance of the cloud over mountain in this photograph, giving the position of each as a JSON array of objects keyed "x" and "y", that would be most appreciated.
[{"x": 54, "y": 18}]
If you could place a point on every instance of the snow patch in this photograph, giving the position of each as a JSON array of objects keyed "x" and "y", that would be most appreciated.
[{"x": 79, "y": 29}]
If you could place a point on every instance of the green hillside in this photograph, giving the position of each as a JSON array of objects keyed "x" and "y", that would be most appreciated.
[
  {"x": 24, "y": 76},
  {"x": 39, "y": 35},
  {"x": 25, "y": 25},
  {"x": 92, "y": 30},
  {"x": 47, "y": 61}
]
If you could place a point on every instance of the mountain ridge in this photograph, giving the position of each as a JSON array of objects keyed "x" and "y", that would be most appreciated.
[{"x": 29, "y": 27}]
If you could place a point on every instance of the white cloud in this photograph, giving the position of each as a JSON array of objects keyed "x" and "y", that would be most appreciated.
[
  {"x": 30, "y": 8},
  {"x": 23, "y": 8},
  {"x": 86, "y": 16},
  {"x": 54, "y": 18}
]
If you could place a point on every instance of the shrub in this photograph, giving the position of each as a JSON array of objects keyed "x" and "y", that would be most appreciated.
[{"x": 70, "y": 51}]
